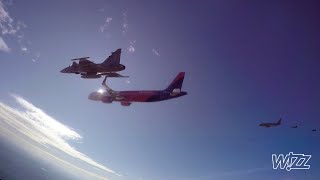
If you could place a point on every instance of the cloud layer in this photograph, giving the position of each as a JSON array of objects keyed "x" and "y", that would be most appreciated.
[
  {"x": 10, "y": 27},
  {"x": 3, "y": 46},
  {"x": 36, "y": 126}
]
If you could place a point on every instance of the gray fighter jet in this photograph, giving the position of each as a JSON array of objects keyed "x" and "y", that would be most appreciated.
[
  {"x": 267, "y": 125},
  {"x": 90, "y": 70}
]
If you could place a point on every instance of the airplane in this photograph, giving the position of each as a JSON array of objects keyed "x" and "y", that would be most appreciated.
[
  {"x": 267, "y": 125},
  {"x": 314, "y": 130},
  {"x": 294, "y": 126},
  {"x": 127, "y": 97},
  {"x": 90, "y": 70}
]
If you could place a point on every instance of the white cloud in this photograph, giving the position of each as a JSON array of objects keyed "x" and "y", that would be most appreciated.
[
  {"x": 155, "y": 52},
  {"x": 10, "y": 27},
  {"x": 6, "y": 22},
  {"x": 36, "y": 57},
  {"x": 109, "y": 19},
  {"x": 3, "y": 46},
  {"x": 105, "y": 26},
  {"x": 131, "y": 47},
  {"x": 44, "y": 169},
  {"x": 37, "y": 126},
  {"x": 24, "y": 49},
  {"x": 125, "y": 25}
]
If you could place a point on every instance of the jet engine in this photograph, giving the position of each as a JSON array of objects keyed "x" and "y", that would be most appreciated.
[
  {"x": 125, "y": 103},
  {"x": 107, "y": 99}
]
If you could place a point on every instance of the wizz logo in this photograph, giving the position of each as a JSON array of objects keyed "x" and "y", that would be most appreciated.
[{"x": 290, "y": 161}]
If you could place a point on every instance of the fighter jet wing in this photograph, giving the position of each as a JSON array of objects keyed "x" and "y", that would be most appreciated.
[{"x": 111, "y": 75}]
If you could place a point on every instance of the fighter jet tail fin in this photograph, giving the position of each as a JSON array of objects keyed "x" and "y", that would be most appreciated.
[
  {"x": 176, "y": 84},
  {"x": 113, "y": 59}
]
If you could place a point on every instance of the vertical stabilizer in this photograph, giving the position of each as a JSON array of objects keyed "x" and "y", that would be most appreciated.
[
  {"x": 176, "y": 84},
  {"x": 113, "y": 59}
]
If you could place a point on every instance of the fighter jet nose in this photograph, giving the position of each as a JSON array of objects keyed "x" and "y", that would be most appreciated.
[{"x": 64, "y": 70}]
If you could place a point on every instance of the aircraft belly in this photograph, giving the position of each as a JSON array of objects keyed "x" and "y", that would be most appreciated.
[
  {"x": 137, "y": 97},
  {"x": 140, "y": 98}
]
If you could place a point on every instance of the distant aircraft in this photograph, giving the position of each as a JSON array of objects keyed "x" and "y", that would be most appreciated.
[
  {"x": 314, "y": 130},
  {"x": 294, "y": 126},
  {"x": 127, "y": 97},
  {"x": 271, "y": 124},
  {"x": 88, "y": 69}
]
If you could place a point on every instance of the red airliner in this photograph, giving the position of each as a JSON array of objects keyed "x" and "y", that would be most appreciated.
[{"x": 127, "y": 97}]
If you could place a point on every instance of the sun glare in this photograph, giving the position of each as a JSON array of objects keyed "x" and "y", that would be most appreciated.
[{"x": 101, "y": 91}]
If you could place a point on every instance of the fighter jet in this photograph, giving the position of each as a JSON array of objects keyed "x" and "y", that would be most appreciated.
[
  {"x": 88, "y": 69},
  {"x": 267, "y": 125},
  {"x": 294, "y": 126},
  {"x": 314, "y": 129},
  {"x": 107, "y": 95}
]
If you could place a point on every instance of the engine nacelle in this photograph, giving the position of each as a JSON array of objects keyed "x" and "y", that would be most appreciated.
[
  {"x": 106, "y": 99},
  {"x": 125, "y": 103},
  {"x": 86, "y": 76}
]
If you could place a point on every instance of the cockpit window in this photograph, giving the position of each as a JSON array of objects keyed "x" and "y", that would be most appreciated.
[{"x": 73, "y": 64}]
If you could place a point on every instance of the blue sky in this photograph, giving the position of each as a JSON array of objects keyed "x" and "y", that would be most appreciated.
[{"x": 246, "y": 62}]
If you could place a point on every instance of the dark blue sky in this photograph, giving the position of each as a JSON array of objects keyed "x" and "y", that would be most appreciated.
[{"x": 246, "y": 62}]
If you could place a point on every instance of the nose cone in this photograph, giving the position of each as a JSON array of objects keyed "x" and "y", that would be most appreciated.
[
  {"x": 94, "y": 96},
  {"x": 65, "y": 70}
]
